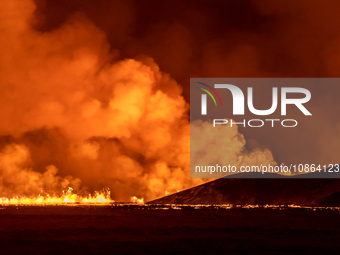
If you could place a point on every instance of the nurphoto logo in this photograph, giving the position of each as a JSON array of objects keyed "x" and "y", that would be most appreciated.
[
  {"x": 238, "y": 99},
  {"x": 240, "y": 126}
]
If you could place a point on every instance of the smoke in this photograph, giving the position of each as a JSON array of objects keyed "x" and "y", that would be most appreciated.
[
  {"x": 68, "y": 109},
  {"x": 19, "y": 180},
  {"x": 224, "y": 146},
  {"x": 82, "y": 104}
]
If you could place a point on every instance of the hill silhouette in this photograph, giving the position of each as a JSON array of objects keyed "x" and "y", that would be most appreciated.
[{"x": 252, "y": 188}]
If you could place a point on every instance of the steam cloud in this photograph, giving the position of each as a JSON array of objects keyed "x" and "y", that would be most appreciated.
[
  {"x": 75, "y": 113},
  {"x": 65, "y": 106}
]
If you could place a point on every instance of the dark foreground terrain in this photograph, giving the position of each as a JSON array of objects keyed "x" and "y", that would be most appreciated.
[
  {"x": 148, "y": 230},
  {"x": 255, "y": 188}
]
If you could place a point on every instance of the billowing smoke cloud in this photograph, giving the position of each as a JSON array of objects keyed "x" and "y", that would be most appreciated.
[
  {"x": 16, "y": 179},
  {"x": 229, "y": 39},
  {"x": 246, "y": 39},
  {"x": 75, "y": 111},
  {"x": 211, "y": 146},
  {"x": 73, "y": 116},
  {"x": 64, "y": 102}
]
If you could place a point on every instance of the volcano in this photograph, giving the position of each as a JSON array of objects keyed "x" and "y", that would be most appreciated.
[{"x": 252, "y": 188}]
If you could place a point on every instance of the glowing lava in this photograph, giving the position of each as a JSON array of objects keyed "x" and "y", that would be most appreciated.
[
  {"x": 68, "y": 197},
  {"x": 137, "y": 200}
]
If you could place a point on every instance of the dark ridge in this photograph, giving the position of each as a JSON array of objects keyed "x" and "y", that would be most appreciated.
[{"x": 252, "y": 189}]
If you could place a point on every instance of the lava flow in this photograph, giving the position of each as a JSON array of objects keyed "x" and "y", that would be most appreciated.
[{"x": 68, "y": 197}]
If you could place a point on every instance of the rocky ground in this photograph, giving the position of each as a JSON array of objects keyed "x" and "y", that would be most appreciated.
[{"x": 147, "y": 230}]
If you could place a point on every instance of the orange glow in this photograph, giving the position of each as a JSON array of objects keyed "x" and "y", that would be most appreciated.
[
  {"x": 136, "y": 200},
  {"x": 68, "y": 197}
]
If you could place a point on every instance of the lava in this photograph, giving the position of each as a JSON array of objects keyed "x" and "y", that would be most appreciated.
[{"x": 68, "y": 197}]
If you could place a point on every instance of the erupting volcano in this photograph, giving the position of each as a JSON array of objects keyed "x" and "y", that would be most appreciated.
[
  {"x": 95, "y": 126},
  {"x": 76, "y": 116}
]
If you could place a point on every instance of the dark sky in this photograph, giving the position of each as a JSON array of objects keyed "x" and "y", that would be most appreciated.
[{"x": 214, "y": 38}]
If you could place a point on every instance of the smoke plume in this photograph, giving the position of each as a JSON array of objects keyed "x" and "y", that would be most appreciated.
[
  {"x": 85, "y": 101},
  {"x": 68, "y": 109}
]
